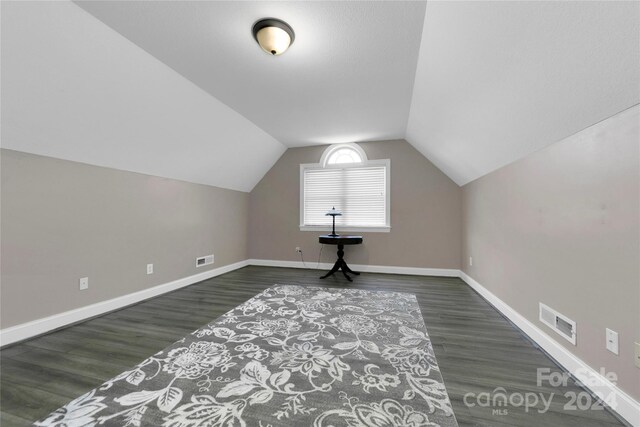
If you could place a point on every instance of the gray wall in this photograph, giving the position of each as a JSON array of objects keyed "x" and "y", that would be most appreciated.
[
  {"x": 561, "y": 227},
  {"x": 425, "y": 213},
  {"x": 62, "y": 220}
]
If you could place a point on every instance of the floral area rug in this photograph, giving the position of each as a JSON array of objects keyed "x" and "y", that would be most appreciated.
[{"x": 290, "y": 356}]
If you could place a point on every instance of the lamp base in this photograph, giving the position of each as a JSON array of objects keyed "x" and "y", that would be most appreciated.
[{"x": 333, "y": 228}]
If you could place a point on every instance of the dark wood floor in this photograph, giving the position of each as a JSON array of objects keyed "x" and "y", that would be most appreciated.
[{"x": 477, "y": 349}]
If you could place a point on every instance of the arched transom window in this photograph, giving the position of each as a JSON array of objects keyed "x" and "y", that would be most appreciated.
[
  {"x": 347, "y": 180},
  {"x": 343, "y": 154}
]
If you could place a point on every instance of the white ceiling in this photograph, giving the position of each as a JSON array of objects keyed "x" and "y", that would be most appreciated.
[
  {"x": 181, "y": 90},
  {"x": 72, "y": 88},
  {"x": 499, "y": 80},
  {"x": 348, "y": 75}
]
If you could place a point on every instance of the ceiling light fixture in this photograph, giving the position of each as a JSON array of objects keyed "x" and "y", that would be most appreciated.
[{"x": 273, "y": 35}]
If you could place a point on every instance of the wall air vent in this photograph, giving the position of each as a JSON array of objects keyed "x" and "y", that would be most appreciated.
[
  {"x": 205, "y": 260},
  {"x": 559, "y": 323}
]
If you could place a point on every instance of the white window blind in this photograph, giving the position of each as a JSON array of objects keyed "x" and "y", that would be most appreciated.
[{"x": 359, "y": 192}]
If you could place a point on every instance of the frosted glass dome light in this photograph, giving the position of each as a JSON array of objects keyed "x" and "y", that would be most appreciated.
[{"x": 273, "y": 35}]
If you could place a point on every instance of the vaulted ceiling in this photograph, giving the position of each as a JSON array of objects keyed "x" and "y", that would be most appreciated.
[
  {"x": 181, "y": 90},
  {"x": 348, "y": 75}
]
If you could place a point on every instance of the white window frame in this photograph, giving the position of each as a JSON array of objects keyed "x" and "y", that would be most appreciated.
[
  {"x": 365, "y": 163},
  {"x": 335, "y": 147}
]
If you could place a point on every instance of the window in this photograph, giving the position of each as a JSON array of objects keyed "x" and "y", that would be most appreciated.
[
  {"x": 347, "y": 180},
  {"x": 344, "y": 155}
]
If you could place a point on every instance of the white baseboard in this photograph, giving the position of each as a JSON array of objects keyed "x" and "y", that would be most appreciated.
[
  {"x": 416, "y": 271},
  {"x": 46, "y": 324},
  {"x": 627, "y": 407}
]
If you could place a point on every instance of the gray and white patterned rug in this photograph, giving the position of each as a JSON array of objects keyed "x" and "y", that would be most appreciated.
[{"x": 291, "y": 355}]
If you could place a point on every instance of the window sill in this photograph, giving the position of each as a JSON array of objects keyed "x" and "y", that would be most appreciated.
[{"x": 383, "y": 229}]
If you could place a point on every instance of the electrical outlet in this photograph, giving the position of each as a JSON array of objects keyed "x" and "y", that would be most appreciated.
[
  {"x": 298, "y": 249},
  {"x": 84, "y": 283},
  {"x": 612, "y": 341},
  {"x": 149, "y": 268},
  {"x": 470, "y": 261},
  {"x": 637, "y": 351}
]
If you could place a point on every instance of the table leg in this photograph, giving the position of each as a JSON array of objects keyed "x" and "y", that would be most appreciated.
[
  {"x": 340, "y": 265},
  {"x": 344, "y": 273},
  {"x": 335, "y": 268},
  {"x": 346, "y": 267}
]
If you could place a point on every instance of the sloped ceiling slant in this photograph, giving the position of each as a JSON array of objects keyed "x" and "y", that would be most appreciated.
[
  {"x": 497, "y": 81},
  {"x": 72, "y": 88},
  {"x": 472, "y": 85}
]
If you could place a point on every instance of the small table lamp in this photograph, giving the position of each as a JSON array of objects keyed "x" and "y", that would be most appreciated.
[{"x": 333, "y": 213}]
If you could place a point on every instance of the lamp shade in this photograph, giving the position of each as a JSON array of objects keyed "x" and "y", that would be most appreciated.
[
  {"x": 333, "y": 212},
  {"x": 273, "y": 35}
]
